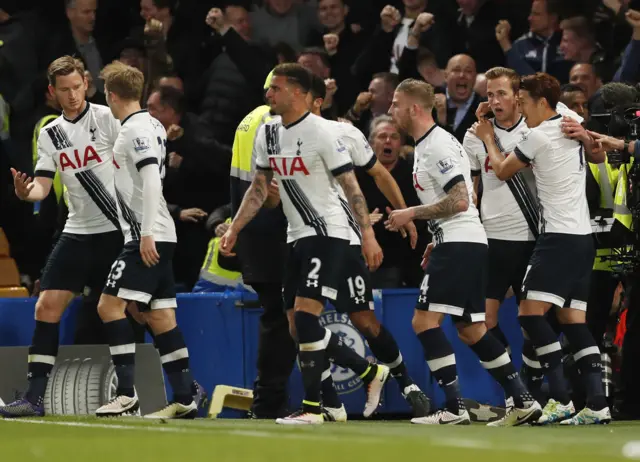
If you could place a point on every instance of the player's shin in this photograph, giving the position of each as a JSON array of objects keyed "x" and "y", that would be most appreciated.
[
  {"x": 123, "y": 352},
  {"x": 549, "y": 353},
  {"x": 384, "y": 347},
  {"x": 42, "y": 357},
  {"x": 442, "y": 363},
  {"x": 174, "y": 356},
  {"x": 587, "y": 356},
  {"x": 312, "y": 343},
  {"x": 495, "y": 359},
  {"x": 531, "y": 371},
  {"x": 346, "y": 357},
  {"x": 330, "y": 396}
]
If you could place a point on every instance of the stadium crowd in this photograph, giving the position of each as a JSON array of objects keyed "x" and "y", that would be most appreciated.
[{"x": 205, "y": 64}]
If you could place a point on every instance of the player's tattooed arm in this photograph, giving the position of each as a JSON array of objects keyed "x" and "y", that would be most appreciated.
[
  {"x": 355, "y": 198},
  {"x": 456, "y": 201},
  {"x": 253, "y": 199}
]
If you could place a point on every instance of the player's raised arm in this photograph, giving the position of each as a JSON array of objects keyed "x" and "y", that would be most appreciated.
[{"x": 503, "y": 166}]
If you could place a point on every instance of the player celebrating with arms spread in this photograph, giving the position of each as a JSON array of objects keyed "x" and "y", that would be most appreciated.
[
  {"x": 309, "y": 161},
  {"x": 560, "y": 267},
  {"x": 78, "y": 144},
  {"x": 454, "y": 281},
  {"x": 143, "y": 271}
]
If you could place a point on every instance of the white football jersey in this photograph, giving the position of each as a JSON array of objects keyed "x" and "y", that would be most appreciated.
[
  {"x": 509, "y": 209},
  {"x": 82, "y": 151},
  {"x": 141, "y": 142},
  {"x": 304, "y": 157},
  {"x": 440, "y": 162},
  {"x": 362, "y": 156},
  {"x": 559, "y": 169}
]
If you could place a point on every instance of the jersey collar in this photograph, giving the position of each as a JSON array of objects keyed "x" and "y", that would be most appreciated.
[
  {"x": 79, "y": 116},
  {"x": 141, "y": 111},
  {"x": 510, "y": 129},
  {"x": 424, "y": 137},
  {"x": 292, "y": 124}
]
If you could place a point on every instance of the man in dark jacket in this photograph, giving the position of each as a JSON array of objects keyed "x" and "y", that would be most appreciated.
[{"x": 197, "y": 180}]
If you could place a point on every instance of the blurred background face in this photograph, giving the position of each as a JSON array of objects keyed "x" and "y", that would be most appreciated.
[
  {"x": 238, "y": 18},
  {"x": 382, "y": 95},
  {"x": 82, "y": 15},
  {"x": 280, "y": 6},
  {"x": 314, "y": 105},
  {"x": 148, "y": 10},
  {"x": 539, "y": 20},
  {"x": 69, "y": 91},
  {"x": 400, "y": 111},
  {"x": 280, "y": 95},
  {"x": 502, "y": 99},
  {"x": 584, "y": 76},
  {"x": 577, "y": 102},
  {"x": 570, "y": 45},
  {"x": 133, "y": 57},
  {"x": 313, "y": 63},
  {"x": 386, "y": 143},
  {"x": 159, "y": 111},
  {"x": 414, "y": 4},
  {"x": 461, "y": 77},
  {"x": 175, "y": 82},
  {"x": 331, "y": 13}
]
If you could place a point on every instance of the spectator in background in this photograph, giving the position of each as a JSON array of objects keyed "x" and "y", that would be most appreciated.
[
  {"x": 316, "y": 61},
  {"x": 285, "y": 21},
  {"x": 197, "y": 179},
  {"x": 171, "y": 81},
  {"x": 575, "y": 98},
  {"x": 578, "y": 42},
  {"x": 343, "y": 46},
  {"x": 456, "y": 109},
  {"x": 475, "y": 34},
  {"x": 234, "y": 80},
  {"x": 584, "y": 76},
  {"x": 401, "y": 264},
  {"x": 538, "y": 49},
  {"x": 182, "y": 42},
  {"x": 374, "y": 102},
  {"x": 428, "y": 68}
]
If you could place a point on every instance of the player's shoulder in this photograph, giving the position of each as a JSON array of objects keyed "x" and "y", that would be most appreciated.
[
  {"x": 564, "y": 111},
  {"x": 472, "y": 143},
  {"x": 100, "y": 111},
  {"x": 539, "y": 135}
]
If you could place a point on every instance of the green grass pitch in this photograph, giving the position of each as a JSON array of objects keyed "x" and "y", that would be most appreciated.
[{"x": 133, "y": 439}]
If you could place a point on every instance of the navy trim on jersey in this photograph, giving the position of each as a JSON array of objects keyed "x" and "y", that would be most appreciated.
[
  {"x": 476, "y": 172},
  {"x": 129, "y": 217},
  {"x": 555, "y": 117},
  {"x": 141, "y": 111},
  {"x": 352, "y": 221},
  {"x": 304, "y": 208},
  {"x": 99, "y": 194},
  {"x": 423, "y": 137},
  {"x": 79, "y": 116},
  {"x": 293, "y": 124},
  {"x": 58, "y": 137},
  {"x": 452, "y": 182},
  {"x": 369, "y": 165},
  {"x": 520, "y": 155},
  {"x": 44, "y": 174},
  {"x": 343, "y": 169},
  {"x": 510, "y": 129},
  {"x": 147, "y": 161}
]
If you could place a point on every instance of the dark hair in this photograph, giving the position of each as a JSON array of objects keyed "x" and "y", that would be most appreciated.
[
  {"x": 173, "y": 98},
  {"x": 570, "y": 88},
  {"x": 541, "y": 85},
  {"x": 286, "y": 51},
  {"x": 171, "y": 4},
  {"x": 580, "y": 26},
  {"x": 295, "y": 74},
  {"x": 553, "y": 7},
  {"x": 318, "y": 88},
  {"x": 389, "y": 78},
  {"x": 320, "y": 53}
]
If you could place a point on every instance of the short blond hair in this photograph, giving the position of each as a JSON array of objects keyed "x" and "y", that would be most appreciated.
[
  {"x": 125, "y": 81},
  {"x": 421, "y": 92},
  {"x": 62, "y": 66}
]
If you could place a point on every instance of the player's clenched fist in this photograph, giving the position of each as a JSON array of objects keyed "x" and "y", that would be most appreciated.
[
  {"x": 363, "y": 102},
  {"x": 153, "y": 28},
  {"x": 390, "y": 17},
  {"x": 215, "y": 19},
  {"x": 423, "y": 23}
]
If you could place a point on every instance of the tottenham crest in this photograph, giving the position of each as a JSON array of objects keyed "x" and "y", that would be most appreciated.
[{"x": 345, "y": 380}]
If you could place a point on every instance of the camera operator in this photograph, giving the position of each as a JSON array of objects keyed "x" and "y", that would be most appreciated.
[{"x": 626, "y": 151}]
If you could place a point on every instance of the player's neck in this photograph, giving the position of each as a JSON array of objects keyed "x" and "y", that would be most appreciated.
[
  {"x": 293, "y": 115},
  {"x": 510, "y": 122},
  {"x": 71, "y": 115},
  {"x": 421, "y": 127},
  {"x": 127, "y": 109}
]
